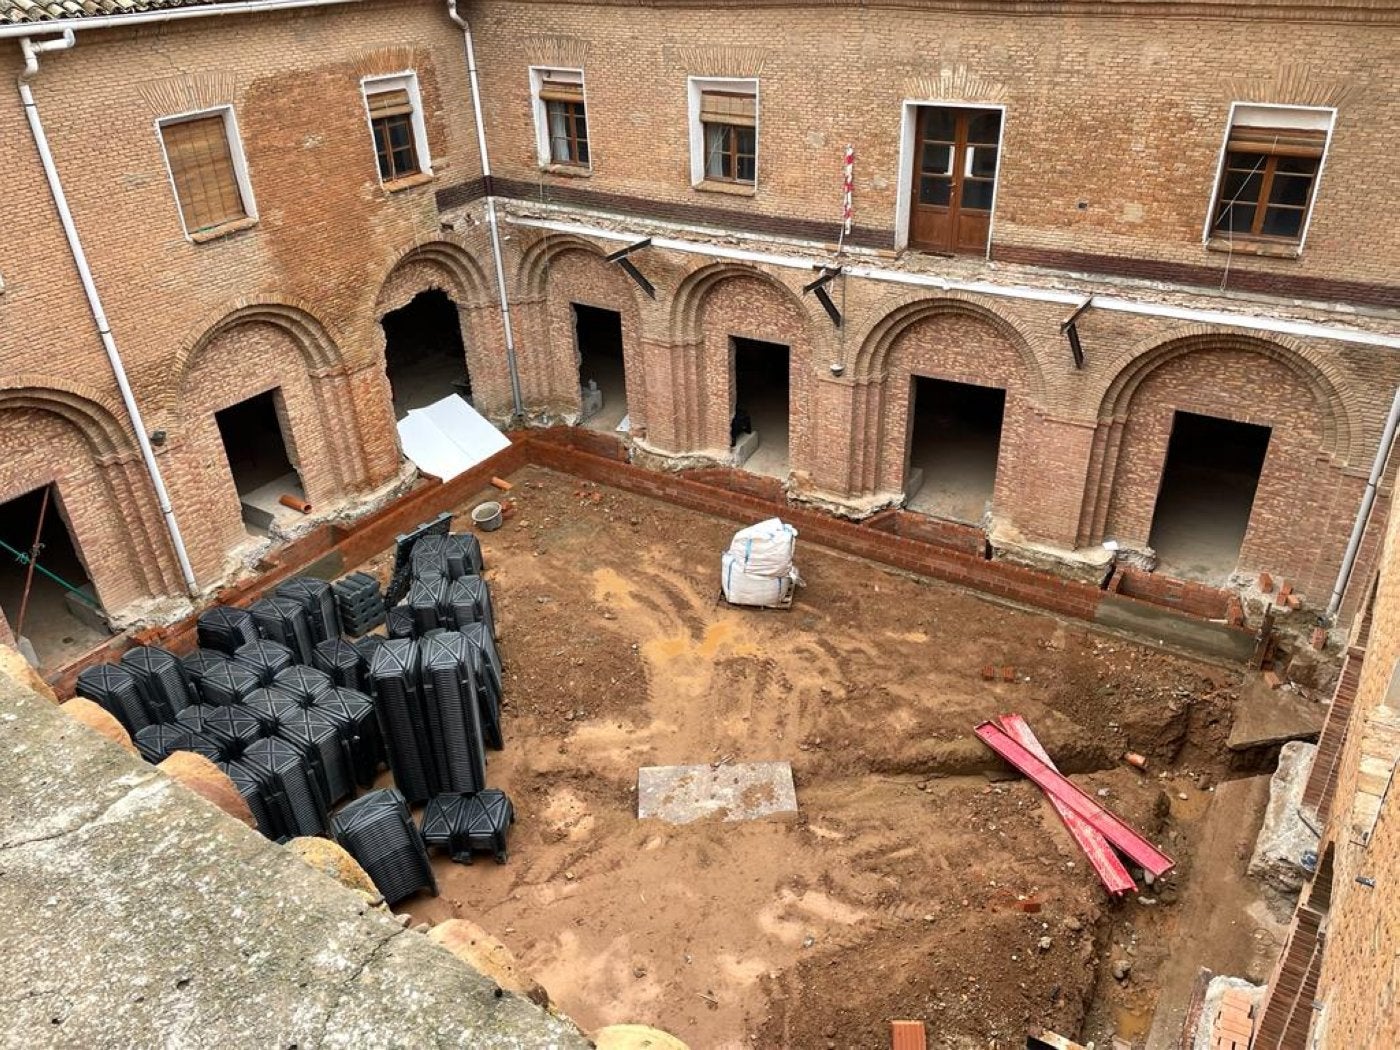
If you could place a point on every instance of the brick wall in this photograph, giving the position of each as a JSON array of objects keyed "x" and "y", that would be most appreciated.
[
  {"x": 833, "y": 75},
  {"x": 1360, "y": 924},
  {"x": 292, "y": 303}
]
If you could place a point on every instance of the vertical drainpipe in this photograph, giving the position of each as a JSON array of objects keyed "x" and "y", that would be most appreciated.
[
  {"x": 31, "y": 52},
  {"x": 1363, "y": 515},
  {"x": 491, "y": 222}
]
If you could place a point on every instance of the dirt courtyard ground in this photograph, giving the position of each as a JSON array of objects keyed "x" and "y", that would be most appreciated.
[{"x": 920, "y": 881}]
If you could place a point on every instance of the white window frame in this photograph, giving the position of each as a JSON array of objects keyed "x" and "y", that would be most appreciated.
[
  {"x": 908, "y": 128},
  {"x": 695, "y": 87},
  {"x": 1329, "y": 112},
  {"x": 408, "y": 80},
  {"x": 235, "y": 149},
  {"x": 537, "y": 104}
]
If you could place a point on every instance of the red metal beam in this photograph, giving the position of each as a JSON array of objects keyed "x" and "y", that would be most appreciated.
[
  {"x": 1105, "y": 862},
  {"x": 1124, "y": 838}
]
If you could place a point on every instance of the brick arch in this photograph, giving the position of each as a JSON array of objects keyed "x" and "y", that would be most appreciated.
[
  {"x": 433, "y": 263},
  {"x": 442, "y": 265},
  {"x": 691, "y": 294},
  {"x": 954, "y": 338},
  {"x": 1341, "y": 433},
  {"x": 1305, "y": 500},
  {"x": 338, "y": 440},
  {"x": 87, "y": 411},
  {"x": 873, "y": 355},
  {"x": 70, "y": 435},
  {"x": 317, "y": 349},
  {"x": 554, "y": 272},
  {"x": 710, "y": 305}
]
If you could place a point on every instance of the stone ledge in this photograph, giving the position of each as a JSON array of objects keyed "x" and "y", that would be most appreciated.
[{"x": 137, "y": 914}]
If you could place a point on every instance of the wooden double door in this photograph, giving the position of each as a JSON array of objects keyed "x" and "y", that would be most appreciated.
[{"x": 954, "y": 179}]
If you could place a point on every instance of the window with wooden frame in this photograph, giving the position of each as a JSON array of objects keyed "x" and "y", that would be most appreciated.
[
  {"x": 396, "y": 124},
  {"x": 565, "y": 121},
  {"x": 729, "y": 126},
  {"x": 206, "y": 170},
  {"x": 1268, "y": 175}
]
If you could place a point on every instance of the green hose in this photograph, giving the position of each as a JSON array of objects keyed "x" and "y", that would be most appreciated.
[{"x": 23, "y": 559}]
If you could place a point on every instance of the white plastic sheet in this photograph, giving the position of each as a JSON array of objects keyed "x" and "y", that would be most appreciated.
[{"x": 448, "y": 437}]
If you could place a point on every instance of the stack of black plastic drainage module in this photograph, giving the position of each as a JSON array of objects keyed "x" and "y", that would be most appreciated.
[{"x": 278, "y": 697}]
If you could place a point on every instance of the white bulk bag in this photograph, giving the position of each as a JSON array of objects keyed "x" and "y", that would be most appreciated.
[
  {"x": 764, "y": 549},
  {"x": 745, "y": 588}
]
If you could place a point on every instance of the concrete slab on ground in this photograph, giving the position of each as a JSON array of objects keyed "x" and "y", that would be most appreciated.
[
  {"x": 1267, "y": 716},
  {"x": 746, "y": 791}
]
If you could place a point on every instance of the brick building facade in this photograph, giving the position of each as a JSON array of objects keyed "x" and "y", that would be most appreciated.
[{"x": 1105, "y": 169}]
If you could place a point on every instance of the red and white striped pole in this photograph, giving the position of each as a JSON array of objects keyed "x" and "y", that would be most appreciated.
[{"x": 847, "y": 186}]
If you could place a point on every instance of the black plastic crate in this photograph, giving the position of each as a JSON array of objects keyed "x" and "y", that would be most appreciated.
[
  {"x": 227, "y": 684},
  {"x": 488, "y": 682},
  {"x": 343, "y": 661},
  {"x": 156, "y": 742},
  {"x": 319, "y": 600},
  {"x": 265, "y": 659},
  {"x": 271, "y": 707},
  {"x": 394, "y": 673},
  {"x": 225, "y": 628},
  {"x": 114, "y": 689},
  {"x": 284, "y": 620},
  {"x": 469, "y": 600},
  {"x": 303, "y": 684},
  {"x": 463, "y": 823},
  {"x": 317, "y": 737},
  {"x": 354, "y": 715},
  {"x": 378, "y": 831},
  {"x": 427, "y": 601},
  {"x": 252, "y": 785},
  {"x": 400, "y": 622},
  {"x": 448, "y": 684},
  {"x": 160, "y": 679},
  {"x": 201, "y": 660},
  {"x": 293, "y": 796}
]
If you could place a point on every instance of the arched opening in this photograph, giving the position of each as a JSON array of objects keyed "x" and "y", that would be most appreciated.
[
  {"x": 954, "y": 442},
  {"x": 424, "y": 353},
  {"x": 54, "y": 607},
  {"x": 602, "y": 374},
  {"x": 1206, "y": 496},
  {"x": 255, "y": 443},
  {"x": 760, "y": 398}
]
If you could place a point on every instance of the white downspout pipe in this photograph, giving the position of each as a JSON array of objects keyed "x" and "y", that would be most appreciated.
[
  {"x": 1368, "y": 499},
  {"x": 32, "y": 51},
  {"x": 491, "y": 222}
]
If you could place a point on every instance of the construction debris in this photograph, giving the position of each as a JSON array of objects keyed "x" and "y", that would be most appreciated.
[
  {"x": 1048, "y": 779},
  {"x": 1104, "y": 861}
]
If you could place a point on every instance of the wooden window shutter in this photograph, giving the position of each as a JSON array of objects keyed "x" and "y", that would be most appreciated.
[
  {"x": 395, "y": 103},
  {"x": 561, "y": 86},
  {"x": 1283, "y": 142},
  {"x": 201, "y": 166},
  {"x": 729, "y": 107}
]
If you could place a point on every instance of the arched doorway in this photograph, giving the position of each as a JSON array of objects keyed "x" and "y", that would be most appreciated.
[{"x": 424, "y": 353}]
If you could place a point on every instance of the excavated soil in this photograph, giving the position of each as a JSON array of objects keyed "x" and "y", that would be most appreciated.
[{"x": 922, "y": 878}]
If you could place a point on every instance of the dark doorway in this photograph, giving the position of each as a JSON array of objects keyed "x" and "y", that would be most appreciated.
[
  {"x": 62, "y": 617},
  {"x": 601, "y": 375},
  {"x": 759, "y": 422},
  {"x": 954, "y": 442},
  {"x": 257, "y": 457},
  {"x": 423, "y": 352},
  {"x": 1207, "y": 493}
]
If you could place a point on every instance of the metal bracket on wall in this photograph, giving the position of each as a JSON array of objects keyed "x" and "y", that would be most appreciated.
[
  {"x": 818, "y": 288},
  {"x": 620, "y": 257},
  {"x": 1070, "y": 328}
]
